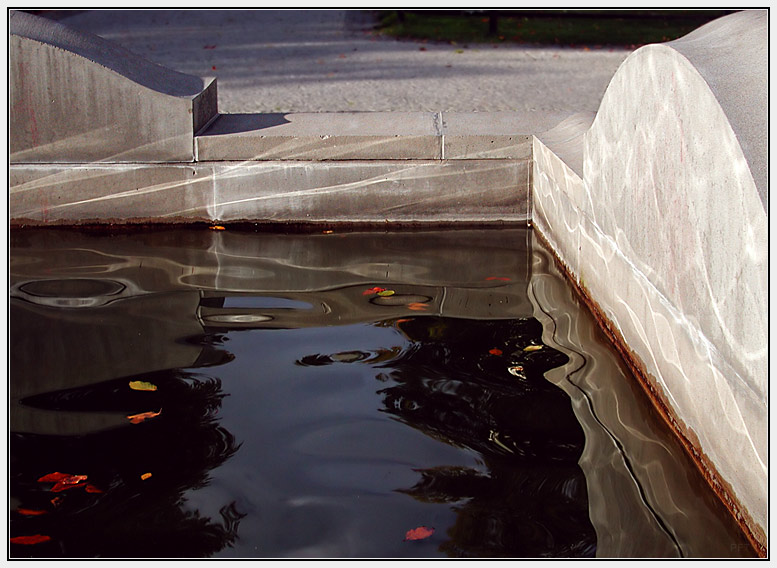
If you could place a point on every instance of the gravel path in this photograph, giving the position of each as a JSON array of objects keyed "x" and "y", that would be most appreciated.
[{"x": 328, "y": 60}]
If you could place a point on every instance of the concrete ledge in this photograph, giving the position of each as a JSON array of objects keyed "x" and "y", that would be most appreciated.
[
  {"x": 372, "y": 136},
  {"x": 367, "y": 191}
]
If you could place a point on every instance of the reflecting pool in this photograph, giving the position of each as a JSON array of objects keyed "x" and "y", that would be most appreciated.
[{"x": 240, "y": 393}]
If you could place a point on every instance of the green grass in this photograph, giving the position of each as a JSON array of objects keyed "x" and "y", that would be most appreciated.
[{"x": 561, "y": 27}]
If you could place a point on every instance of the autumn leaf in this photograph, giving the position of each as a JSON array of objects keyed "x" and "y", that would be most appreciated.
[
  {"x": 31, "y": 512},
  {"x": 419, "y": 533},
  {"x": 530, "y": 348},
  {"x": 30, "y": 539},
  {"x": 89, "y": 488},
  {"x": 142, "y": 386},
  {"x": 56, "y": 501},
  {"x": 495, "y": 351},
  {"x": 502, "y": 278},
  {"x": 62, "y": 481},
  {"x": 145, "y": 476},
  {"x": 68, "y": 483},
  {"x": 386, "y": 293},
  {"x": 417, "y": 306},
  {"x": 54, "y": 477},
  {"x": 375, "y": 290},
  {"x": 138, "y": 418},
  {"x": 217, "y": 228}
]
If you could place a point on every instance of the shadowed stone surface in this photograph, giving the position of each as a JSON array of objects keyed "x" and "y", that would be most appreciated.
[{"x": 75, "y": 97}]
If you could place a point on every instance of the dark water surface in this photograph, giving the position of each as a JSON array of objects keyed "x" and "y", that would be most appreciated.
[{"x": 321, "y": 395}]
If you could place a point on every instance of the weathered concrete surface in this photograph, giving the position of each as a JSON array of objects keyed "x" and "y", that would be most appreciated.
[
  {"x": 372, "y": 191},
  {"x": 75, "y": 97},
  {"x": 669, "y": 209}
]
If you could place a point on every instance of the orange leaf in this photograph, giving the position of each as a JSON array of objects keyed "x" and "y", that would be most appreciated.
[
  {"x": 502, "y": 278},
  {"x": 419, "y": 533},
  {"x": 495, "y": 351},
  {"x": 145, "y": 476},
  {"x": 217, "y": 228},
  {"x": 89, "y": 488},
  {"x": 30, "y": 512},
  {"x": 31, "y": 539},
  {"x": 417, "y": 306},
  {"x": 138, "y": 418},
  {"x": 56, "y": 501}
]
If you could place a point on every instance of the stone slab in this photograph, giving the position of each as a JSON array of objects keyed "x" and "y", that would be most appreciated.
[
  {"x": 322, "y": 136},
  {"x": 373, "y": 191},
  {"x": 107, "y": 193},
  {"x": 492, "y": 135},
  {"x": 272, "y": 191},
  {"x": 373, "y": 136}
]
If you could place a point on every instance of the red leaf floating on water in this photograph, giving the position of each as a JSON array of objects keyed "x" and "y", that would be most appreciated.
[
  {"x": 30, "y": 512},
  {"x": 68, "y": 483},
  {"x": 502, "y": 278},
  {"x": 30, "y": 539},
  {"x": 54, "y": 477},
  {"x": 89, "y": 488},
  {"x": 419, "y": 533},
  {"x": 374, "y": 290},
  {"x": 495, "y": 351}
]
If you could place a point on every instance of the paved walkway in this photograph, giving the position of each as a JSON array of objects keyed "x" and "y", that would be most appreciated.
[{"x": 328, "y": 60}]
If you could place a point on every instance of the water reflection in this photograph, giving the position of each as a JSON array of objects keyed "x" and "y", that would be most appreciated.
[
  {"x": 479, "y": 386},
  {"x": 128, "y": 513}
]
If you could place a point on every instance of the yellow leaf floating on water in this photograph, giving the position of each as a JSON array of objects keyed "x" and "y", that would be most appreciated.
[
  {"x": 532, "y": 348},
  {"x": 386, "y": 293},
  {"x": 142, "y": 386}
]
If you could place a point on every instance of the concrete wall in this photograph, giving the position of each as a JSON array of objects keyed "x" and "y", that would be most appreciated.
[
  {"x": 75, "y": 97},
  {"x": 665, "y": 230}
]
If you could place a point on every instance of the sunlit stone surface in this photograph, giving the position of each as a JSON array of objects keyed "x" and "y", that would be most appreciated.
[{"x": 666, "y": 229}]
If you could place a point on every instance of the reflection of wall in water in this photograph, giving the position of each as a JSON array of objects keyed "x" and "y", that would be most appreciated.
[
  {"x": 92, "y": 306},
  {"x": 646, "y": 497}
]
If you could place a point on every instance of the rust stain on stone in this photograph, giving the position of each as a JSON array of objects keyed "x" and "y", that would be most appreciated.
[{"x": 685, "y": 435}]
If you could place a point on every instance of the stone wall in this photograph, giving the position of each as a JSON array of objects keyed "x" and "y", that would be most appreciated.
[{"x": 664, "y": 228}]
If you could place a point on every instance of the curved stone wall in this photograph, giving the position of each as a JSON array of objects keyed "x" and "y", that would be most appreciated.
[
  {"x": 667, "y": 233},
  {"x": 77, "y": 98}
]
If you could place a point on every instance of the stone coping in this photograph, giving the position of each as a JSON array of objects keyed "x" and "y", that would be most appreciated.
[{"x": 372, "y": 136}]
